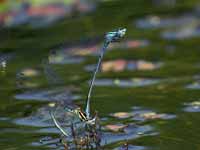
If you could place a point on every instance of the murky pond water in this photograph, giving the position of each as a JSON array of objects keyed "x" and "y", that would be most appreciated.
[{"x": 147, "y": 93}]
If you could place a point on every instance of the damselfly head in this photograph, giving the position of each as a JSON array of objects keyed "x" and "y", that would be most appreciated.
[
  {"x": 116, "y": 35},
  {"x": 122, "y": 32}
]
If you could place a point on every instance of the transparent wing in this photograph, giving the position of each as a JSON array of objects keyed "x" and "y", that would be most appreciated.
[{"x": 51, "y": 75}]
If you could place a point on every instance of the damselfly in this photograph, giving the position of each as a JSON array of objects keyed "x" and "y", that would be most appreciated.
[{"x": 85, "y": 117}]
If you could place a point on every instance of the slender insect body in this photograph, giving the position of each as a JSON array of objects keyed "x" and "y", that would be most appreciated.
[{"x": 85, "y": 116}]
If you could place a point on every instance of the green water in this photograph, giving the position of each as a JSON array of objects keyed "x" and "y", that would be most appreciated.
[{"x": 30, "y": 46}]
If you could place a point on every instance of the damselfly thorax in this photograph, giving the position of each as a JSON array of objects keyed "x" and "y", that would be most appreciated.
[{"x": 81, "y": 114}]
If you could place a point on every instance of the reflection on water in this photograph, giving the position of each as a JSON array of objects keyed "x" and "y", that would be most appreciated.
[
  {"x": 181, "y": 27},
  {"x": 61, "y": 58},
  {"x": 115, "y": 127},
  {"x": 3, "y": 119},
  {"x": 76, "y": 53},
  {"x": 48, "y": 142},
  {"x": 122, "y": 115},
  {"x": 24, "y": 78},
  {"x": 39, "y": 13},
  {"x": 157, "y": 22},
  {"x": 42, "y": 118},
  {"x": 111, "y": 133},
  {"x": 194, "y": 85},
  {"x": 162, "y": 121},
  {"x": 28, "y": 72},
  {"x": 189, "y": 31},
  {"x": 141, "y": 114},
  {"x": 3, "y": 66},
  {"x": 134, "y": 82},
  {"x": 130, "y": 147},
  {"x": 129, "y": 44},
  {"x": 4, "y": 60},
  {"x": 52, "y": 94},
  {"x": 192, "y": 106},
  {"x": 130, "y": 132},
  {"x": 166, "y": 3},
  {"x": 27, "y": 84},
  {"x": 120, "y": 65}
]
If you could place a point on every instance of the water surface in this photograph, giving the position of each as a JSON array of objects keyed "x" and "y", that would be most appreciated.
[{"x": 140, "y": 107}]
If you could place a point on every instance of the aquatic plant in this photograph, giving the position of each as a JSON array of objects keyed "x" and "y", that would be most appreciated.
[{"x": 85, "y": 130}]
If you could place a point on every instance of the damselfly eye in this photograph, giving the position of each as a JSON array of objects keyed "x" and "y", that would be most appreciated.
[{"x": 122, "y": 32}]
